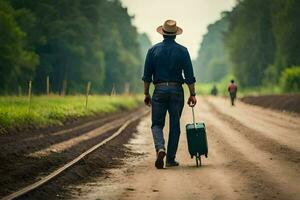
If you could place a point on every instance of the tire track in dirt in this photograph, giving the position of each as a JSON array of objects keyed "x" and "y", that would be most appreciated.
[
  {"x": 94, "y": 165},
  {"x": 18, "y": 169},
  {"x": 29, "y": 142},
  {"x": 282, "y": 119},
  {"x": 183, "y": 182},
  {"x": 226, "y": 174},
  {"x": 282, "y": 175},
  {"x": 259, "y": 140},
  {"x": 247, "y": 179},
  {"x": 66, "y": 144},
  {"x": 250, "y": 118}
]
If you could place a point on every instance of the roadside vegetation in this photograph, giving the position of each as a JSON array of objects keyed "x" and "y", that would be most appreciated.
[
  {"x": 55, "y": 110},
  {"x": 71, "y": 42},
  {"x": 288, "y": 84},
  {"x": 257, "y": 42},
  {"x": 67, "y": 47}
]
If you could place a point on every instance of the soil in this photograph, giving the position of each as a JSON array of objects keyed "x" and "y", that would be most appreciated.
[
  {"x": 285, "y": 102},
  {"x": 253, "y": 154},
  {"x": 95, "y": 165},
  {"x": 19, "y": 166}
]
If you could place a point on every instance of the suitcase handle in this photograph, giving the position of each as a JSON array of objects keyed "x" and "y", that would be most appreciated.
[{"x": 193, "y": 117}]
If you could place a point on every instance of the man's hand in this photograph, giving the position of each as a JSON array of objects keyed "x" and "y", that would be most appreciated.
[
  {"x": 147, "y": 100},
  {"x": 192, "y": 101}
]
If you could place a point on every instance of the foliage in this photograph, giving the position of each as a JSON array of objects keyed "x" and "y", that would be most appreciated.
[
  {"x": 17, "y": 62},
  {"x": 76, "y": 41},
  {"x": 145, "y": 44},
  {"x": 203, "y": 88},
  {"x": 212, "y": 63},
  {"x": 221, "y": 85},
  {"x": 286, "y": 29},
  {"x": 262, "y": 40},
  {"x": 250, "y": 41},
  {"x": 290, "y": 79},
  {"x": 52, "y": 110}
]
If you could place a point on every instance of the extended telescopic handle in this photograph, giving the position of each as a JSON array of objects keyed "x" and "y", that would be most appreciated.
[{"x": 193, "y": 117}]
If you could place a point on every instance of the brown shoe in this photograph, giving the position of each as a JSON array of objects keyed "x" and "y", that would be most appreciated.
[{"x": 159, "y": 163}]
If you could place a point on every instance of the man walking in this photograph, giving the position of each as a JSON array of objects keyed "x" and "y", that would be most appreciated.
[
  {"x": 232, "y": 89},
  {"x": 165, "y": 64}
]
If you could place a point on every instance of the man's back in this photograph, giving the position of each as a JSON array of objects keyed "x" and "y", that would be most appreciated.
[
  {"x": 232, "y": 88},
  {"x": 166, "y": 61}
]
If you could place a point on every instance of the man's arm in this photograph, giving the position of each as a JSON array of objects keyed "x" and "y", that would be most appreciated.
[
  {"x": 148, "y": 68},
  {"x": 146, "y": 88},
  {"x": 147, "y": 78},
  {"x": 192, "y": 99},
  {"x": 147, "y": 99},
  {"x": 192, "y": 89},
  {"x": 189, "y": 79}
]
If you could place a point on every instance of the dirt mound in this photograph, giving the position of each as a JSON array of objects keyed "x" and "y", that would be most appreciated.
[{"x": 285, "y": 102}]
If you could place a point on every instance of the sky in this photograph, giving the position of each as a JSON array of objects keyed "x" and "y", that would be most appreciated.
[{"x": 193, "y": 16}]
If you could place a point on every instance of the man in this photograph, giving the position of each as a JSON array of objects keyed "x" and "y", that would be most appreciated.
[
  {"x": 232, "y": 89},
  {"x": 214, "y": 91},
  {"x": 164, "y": 65}
]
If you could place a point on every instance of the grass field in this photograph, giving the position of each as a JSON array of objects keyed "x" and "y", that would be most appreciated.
[
  {"x": 54, "y": 110},
  {"x": 205, "y": 88}
]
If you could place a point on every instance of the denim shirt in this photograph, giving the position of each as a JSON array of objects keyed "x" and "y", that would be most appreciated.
[{"x": 168, "y": 61}]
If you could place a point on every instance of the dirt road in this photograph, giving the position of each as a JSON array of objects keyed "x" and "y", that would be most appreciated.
[{"x": 254, "y": 153}]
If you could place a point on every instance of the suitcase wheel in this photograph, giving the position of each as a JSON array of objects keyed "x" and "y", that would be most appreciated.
[{"x": 198, "y": 160}]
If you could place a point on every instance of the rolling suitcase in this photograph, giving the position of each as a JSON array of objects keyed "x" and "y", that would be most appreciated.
[{"x": 197, "y": 140}]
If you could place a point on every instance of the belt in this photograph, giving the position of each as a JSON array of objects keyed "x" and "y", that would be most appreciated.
[{"x": 168, "y": 84}]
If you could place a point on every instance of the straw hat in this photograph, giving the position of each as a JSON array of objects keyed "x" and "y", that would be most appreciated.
[{"x": 169, "y": 28}]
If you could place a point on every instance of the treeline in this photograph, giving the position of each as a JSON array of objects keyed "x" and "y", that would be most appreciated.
[
  {"x": 262, "y": 41},
  {"x": 145, "y": 44},
  {"x": 72, "y": 42},
  {"x": 212, "y": 62}
]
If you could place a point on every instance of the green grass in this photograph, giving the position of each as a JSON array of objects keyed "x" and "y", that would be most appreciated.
[
  {"x": 205, "y": 88},
  {"x": 263, "y": 90},
  {"x": 54, "y": 110}
]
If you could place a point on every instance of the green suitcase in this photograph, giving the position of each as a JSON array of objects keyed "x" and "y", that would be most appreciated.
[{"x": 197, "y": 140}]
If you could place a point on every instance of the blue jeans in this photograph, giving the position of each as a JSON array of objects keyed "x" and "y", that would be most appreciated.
[{"x": 171, "y": 99}]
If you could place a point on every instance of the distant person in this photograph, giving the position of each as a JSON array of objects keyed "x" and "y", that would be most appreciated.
[
  {"x": 232, "y": 89},
  {"x": 214, "y": 91},
  {"x": 164, "y": 65}
]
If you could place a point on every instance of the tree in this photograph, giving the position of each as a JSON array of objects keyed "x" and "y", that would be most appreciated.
[
  {"x": 286, "y": 28},
  {"x": 250, "y": 41},
  {"x": 79, "y": 41},
  {"x": 17, "y": 64},
  {"x": 212, "y": 63}
]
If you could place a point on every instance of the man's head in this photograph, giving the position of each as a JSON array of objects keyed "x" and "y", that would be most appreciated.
[
  {"x": 169, "y": 28},
  {"x": 232, "y": 81}
]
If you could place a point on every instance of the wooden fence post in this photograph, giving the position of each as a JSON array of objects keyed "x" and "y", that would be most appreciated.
[
  {"x": 29, "y": 95},
  {"x": 88, "y": 88},
  {"x": 48, "y": 85},
  {"x": 113, "y": 90},
  {"x": 126, "y": 88},
  {"x": 64, "y": 88}
]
